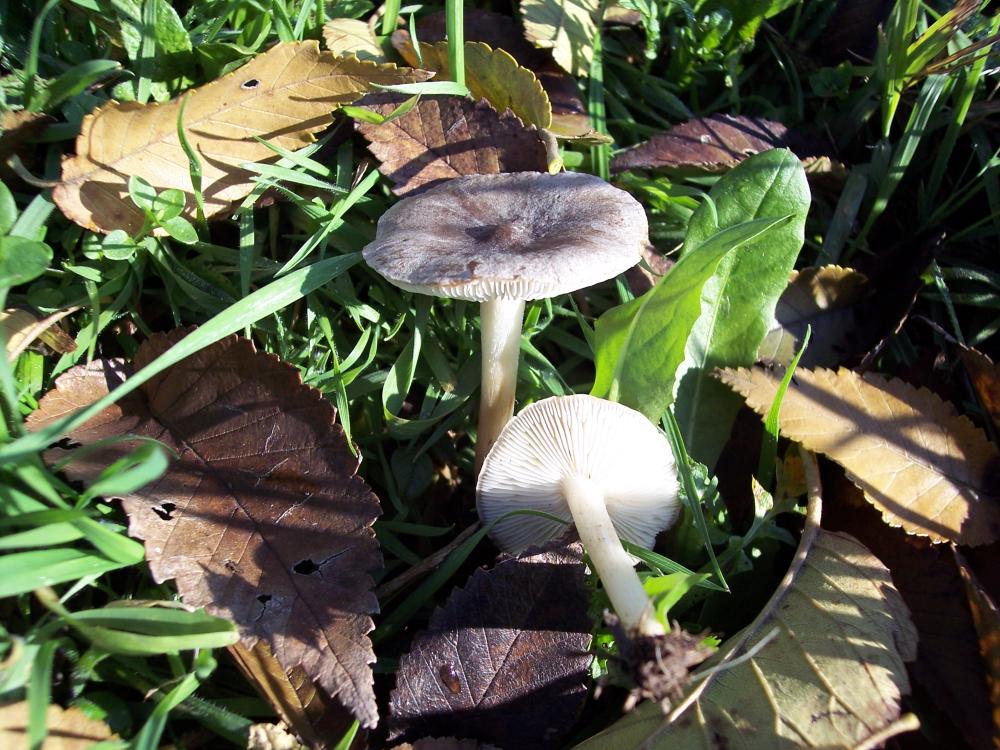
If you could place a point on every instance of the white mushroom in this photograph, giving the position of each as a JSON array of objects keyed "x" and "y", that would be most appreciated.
[
  {"x": 503, "y": 239},
  {"x": 598, "y": 463}
]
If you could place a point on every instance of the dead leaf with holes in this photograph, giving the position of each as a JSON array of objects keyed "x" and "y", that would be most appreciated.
[
  {"x": 925, "y": 467},
  {"x": 447, "y": 136},
  {"x": 351, "y": 36},
  {"x": 712, "y": 144},
  {"x": 493, "y": 75},
  {"x": 284, "y": 97},
  {"x": 261, "y": 518},
  {"x": 823, "y": 298},
  {"x": 68, "y": 728},
  {"x": 833, "y": 677},
  {"x": 505, "y": 661}
]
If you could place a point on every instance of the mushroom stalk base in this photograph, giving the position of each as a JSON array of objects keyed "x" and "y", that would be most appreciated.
[
  {"x": 611, "y": 561},
  {"x": 501, "y": 321}
]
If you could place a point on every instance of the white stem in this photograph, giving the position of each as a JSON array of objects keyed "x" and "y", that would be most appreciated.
[
  {"x": 501, "y": 321},
  {"x": 610, "y": 560}
]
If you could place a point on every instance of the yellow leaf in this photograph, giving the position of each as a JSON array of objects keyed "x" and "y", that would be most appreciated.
[
  {"x": 284, "y": 97},
  {"x": 350, "y": 36},
  {"x": 23, "y": 327},
  {"x": 69, "y": 728},
  {"x": 567, "y": 27},
  {"x": 925, "y": 467},
  {"x": 493, "y": 75}
]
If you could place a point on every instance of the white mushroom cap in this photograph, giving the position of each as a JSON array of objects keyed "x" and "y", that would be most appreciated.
[
  {"x": 524, "y": 235},
  {"x": 614, "y": 446}
]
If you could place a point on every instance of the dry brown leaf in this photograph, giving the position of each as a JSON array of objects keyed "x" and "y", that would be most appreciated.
[
  {"x": 566, "y": 27},
  {"x": 985, "y": 379},
  {"x": 500, "y": 31},
  {"x": 69, "y": 728},
  {"x": 490, "y": 74},
  {"x": 261, "y": 519},
  {"x": 709, "y": 144},
  {"x": 22, "y": 327},
  {"x": 505, "y": 660},
  {"x": 351, "y": 36},
  {"x": 283, "y": 96},
  {"x": 822, "y": 297},
  {"x": 925, "y": 467},
  {"x": 447, "y": 136},
  {"x": 295, "y": 698},
  {"x": 987, "y": 619},
  {"x": 272, "y": 737},
  {"x": 948, "y": 665}
]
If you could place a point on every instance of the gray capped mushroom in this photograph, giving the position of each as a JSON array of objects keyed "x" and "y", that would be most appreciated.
[
  {"x": 598, "y": 463},
  {"x": 502, "y": 239}
]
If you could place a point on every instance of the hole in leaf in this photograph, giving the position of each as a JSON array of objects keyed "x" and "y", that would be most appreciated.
[
  {"x": 251, "y": 84},
  {"x": 264, "y": 598},
  {"x": 305, "y": 567},
  {"x": 164, "y": 511},
  {"x": 67, "y": 444}
]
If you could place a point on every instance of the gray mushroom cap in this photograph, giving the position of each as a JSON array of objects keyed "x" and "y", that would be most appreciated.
[
  {"x": 524, "y": 235},
  {"x": 614, "y": 446}
]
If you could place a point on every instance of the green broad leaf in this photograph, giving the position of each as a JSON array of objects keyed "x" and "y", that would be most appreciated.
[
  {"x": 168, "y": 204},
  {"x": 639, "y": 345},
  {"x": 118, "y": 245},
  {"x": 8, "y": 209},
  {"x": 181, "y": 230},
  {"x": 738, "y": 300},
  {"x": 26, "y": 571},
  {"x": 142, "y": 193},
  {"x": 22, "y": 260}
]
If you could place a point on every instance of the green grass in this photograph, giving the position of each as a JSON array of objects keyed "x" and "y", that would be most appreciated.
[{"x": 402, "y": 370}]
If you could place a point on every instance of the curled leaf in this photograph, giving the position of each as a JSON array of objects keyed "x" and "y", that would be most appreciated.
[
  {"x": 261, "y": 518},
  {"x": 922, "y": 465},
  {"x": 283, "y": 96},
  {"x": 447, "y": 136}
]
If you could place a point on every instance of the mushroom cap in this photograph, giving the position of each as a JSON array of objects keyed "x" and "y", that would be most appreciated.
[
  {"x": 611, "y": 444},
  {"x": 521, "y": 235}
]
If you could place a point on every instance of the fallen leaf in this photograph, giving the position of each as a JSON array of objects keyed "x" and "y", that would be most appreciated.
[
  {"x": 22, "y": 328},
  {"x": 19, "y": 127},
  {"x": 499, "y": 31},
  {"x": 985, "y": 379},
  {"x": 493, "y": 75},
  {"x": 710, "y": 144},
  {"x": 295, "y": 698},
  {"x": 447, "y": 136},
  {"x": 261, "y": 519},
  {"x": 925, "y": 467},
  {"x": 987, "y": 619},
  {"x": 948, "y": 664},
  {"x": 566, "y": 27},
  {"x": 69, "y": 728},
  {"x": 833, "y": 677},
  {"x": 351, "y": 36},
  {"x": 283, "y": 96},
  {"x": 505, "y": 661},
  {"x": 824, "y": 298}
]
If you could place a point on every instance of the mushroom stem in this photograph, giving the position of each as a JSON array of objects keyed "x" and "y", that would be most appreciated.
[
  {"x": 613, "y": 564},
  {"x": 501, "y": 321}
]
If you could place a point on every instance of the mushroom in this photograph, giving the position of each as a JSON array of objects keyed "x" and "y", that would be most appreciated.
[
  {"x": 599, "y": 463},
  {"x": 502, "y": 239}
]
